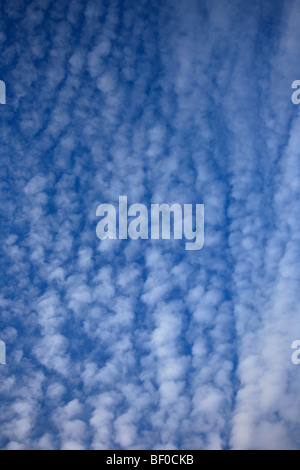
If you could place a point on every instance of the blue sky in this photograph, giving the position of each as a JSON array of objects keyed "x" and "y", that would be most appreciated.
[{"x": 141, "y": 344}]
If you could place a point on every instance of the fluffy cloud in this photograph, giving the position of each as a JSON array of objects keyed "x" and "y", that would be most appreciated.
[{"x": 140, "y": 344}]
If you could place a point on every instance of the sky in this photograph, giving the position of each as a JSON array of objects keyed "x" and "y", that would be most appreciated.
[{"x": 140, "y": 344}]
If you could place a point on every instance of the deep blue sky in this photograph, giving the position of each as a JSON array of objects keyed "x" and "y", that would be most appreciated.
[{"x": 141, "y": 344}]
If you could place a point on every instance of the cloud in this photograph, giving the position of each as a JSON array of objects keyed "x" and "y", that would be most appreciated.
[{"x": 140, "y": 344}]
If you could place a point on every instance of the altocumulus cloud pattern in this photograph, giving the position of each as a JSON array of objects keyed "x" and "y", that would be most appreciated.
[{"x": 140, "y": 344}]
